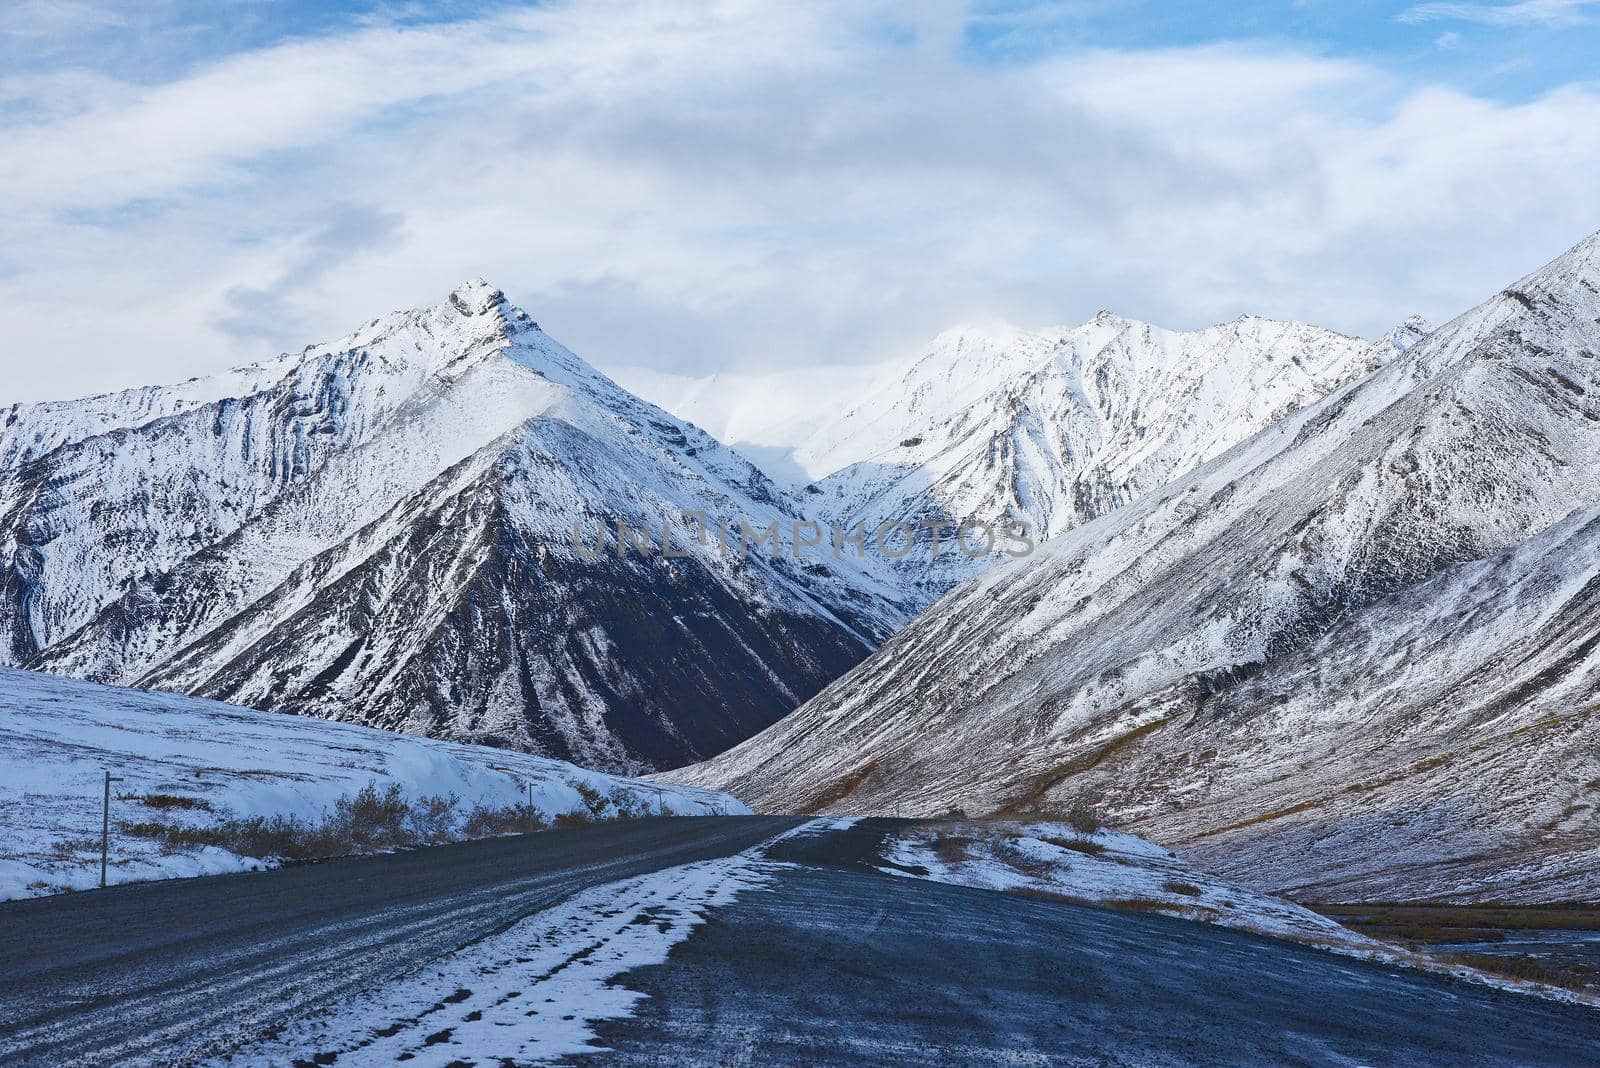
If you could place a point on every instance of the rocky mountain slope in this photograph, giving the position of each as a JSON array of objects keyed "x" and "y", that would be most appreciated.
[
  {"x": 1350, "y": 658},
  {"x": 399, "y": 529},
  {"x": 1044, "y": 431}
]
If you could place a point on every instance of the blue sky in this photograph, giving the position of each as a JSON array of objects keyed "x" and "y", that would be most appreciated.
[
  {"x": 1508, "y": 51},
  {"x": 746, "y": 185}
]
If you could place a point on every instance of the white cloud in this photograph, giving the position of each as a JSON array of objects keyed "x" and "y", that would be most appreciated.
[
  {"x": 691, "y": 187},
  {"x": 1522, "y": 13},
  {"x": 266, "y": 312}
]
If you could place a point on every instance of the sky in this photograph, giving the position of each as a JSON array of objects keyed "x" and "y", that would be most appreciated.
[{"x": 746, "y": 187}]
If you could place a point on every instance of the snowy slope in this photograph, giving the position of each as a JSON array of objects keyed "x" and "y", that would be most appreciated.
[
  {"x": 59, "y": 736},
  {"x": 959, "y": 366},
  {"x": 1105, "y": 867},
  {"x": 1045, "y": 431},
  {"x": 1287, "y": 659},
  {"x": 383, "y": 529}
]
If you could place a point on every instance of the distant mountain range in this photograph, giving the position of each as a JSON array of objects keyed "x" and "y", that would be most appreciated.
[
  {"x": 1353, "y": 657},
  {"x": 1043, "y": 431},
  {"x": 394, "y": 528}
]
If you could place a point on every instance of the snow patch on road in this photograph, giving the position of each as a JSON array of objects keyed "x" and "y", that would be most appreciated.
[
  {"x": 531, "y": 994},
  {"x": 821, "y": 825}
]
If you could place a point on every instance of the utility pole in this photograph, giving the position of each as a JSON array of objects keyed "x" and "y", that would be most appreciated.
[
  {"x": 105, "y": 828},
  {"x": 530, "y": 806}
]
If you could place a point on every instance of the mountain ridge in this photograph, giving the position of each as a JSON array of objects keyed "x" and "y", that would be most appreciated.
[{"x": 1045, "y": 430}]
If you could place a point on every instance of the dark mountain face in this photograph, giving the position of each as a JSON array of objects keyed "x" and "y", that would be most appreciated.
[
  {"x": 458, "y": 621},
  {"x": 387, "y": 530}
]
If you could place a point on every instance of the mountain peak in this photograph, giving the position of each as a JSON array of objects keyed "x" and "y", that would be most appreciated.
[
  {"x": 476, "y": 297},
  {"x": 1398, "y": 339}
]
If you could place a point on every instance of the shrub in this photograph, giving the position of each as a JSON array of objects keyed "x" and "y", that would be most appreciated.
[
  {"x": 1086, "y": 846},
  {"x": 594, "y": 801},
  {"x": 632, "y": 806},
  {"x": 1178, "y": 886},
  {"x": 284, "y": 837},
  {"x": 433, "y": 819},
  {"x": 486, "y": 822},
  {"x": 369, "y": 821},
  {"x": 167, "y": 802}
]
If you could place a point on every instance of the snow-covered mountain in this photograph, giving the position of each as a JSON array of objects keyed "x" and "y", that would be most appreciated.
[
  {"x": 398, "y": 529},
  {"x": 1353, "y": 657},
  {"x": 1043, "y": 431}
]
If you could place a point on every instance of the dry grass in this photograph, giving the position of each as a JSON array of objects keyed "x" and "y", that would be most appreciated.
[
  {"x": 66, "y": 850},
  {"x": 1460, "y": 923},
  {"x": 952, "y": 849},
  {"x": 1421, "y": 927},
  {"x": 841, "y": 789},
  {"x": 1028, "y": 801},
  {"x": 1138, "y": 904},
  {"x": 1525, "y": 969},
  {"x": 1039, "y": 894},
  {"x": 1086, "y": 846}
]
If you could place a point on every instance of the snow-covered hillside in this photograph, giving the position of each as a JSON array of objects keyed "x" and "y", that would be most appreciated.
[
  {"x": 397, "y": 528},
  {"x": 1353, "y": 657},
  {"x": 197, "y": 763},
  {"x": 1102, "y": 867},
  {"x": 1046, "y": 430}
]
